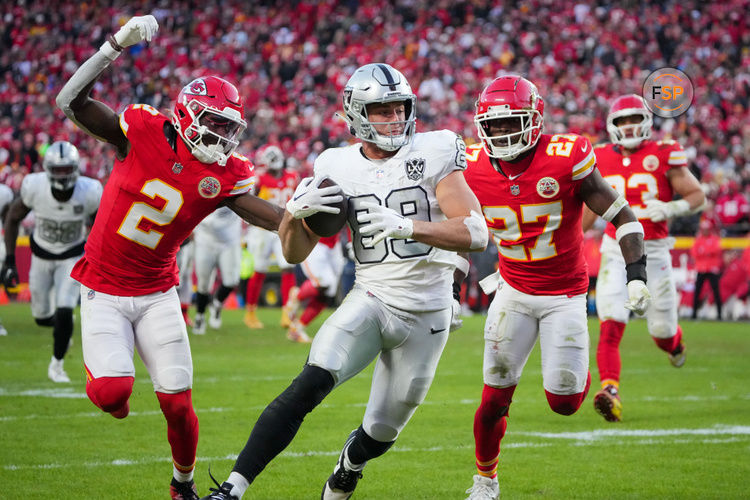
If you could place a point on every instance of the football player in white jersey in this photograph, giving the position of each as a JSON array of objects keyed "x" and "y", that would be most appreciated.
[
  {"x": 6, "y": 196},
  {"x": 218, "y": 245},
  {"x": 410, "y": 210},
  {"x": 64, "y": 204}
]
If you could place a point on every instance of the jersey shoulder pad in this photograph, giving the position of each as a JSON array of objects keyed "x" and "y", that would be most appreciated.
[
  {"x": 448, "y": 148},
  {"x": 137, "y": 116},
  {"x": 31, "y": 186},
  {"x": 6, "y": 196},
  {"x": 582, "y": 157}
]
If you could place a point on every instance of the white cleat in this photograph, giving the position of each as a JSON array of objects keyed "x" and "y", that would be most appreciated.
[
  {"x": 484, "y": 489},
  {"x": 56, "y": 373},
  {"x": 199, "y": 324},
  {"x": 296, "y": 333},
  {"x": 3, "y": 331},
  {"x": 214, "y": 315}
]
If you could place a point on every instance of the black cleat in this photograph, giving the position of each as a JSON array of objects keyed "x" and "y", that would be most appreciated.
[
  {"x": 221, "y": 492},
  {"x": 341, "y": 483},
  {"x": 183, "y": 491}
]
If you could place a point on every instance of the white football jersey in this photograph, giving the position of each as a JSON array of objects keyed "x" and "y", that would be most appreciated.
[
  {"x": 60, "y": 225},
  {"x": 405, "y": 274},
  {"x": 222, "y": 226}
]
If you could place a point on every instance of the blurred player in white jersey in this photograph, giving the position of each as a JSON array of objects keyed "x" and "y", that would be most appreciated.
[
  {"x": 648, "y": 174},
  {"x": 218, "y": 245},
  {"x": 322, "y": 268},
  {"x": 64, "y": 204},
  {"x": 6, "y": 196},
  {"x": 275, "y": 184},
  {"x": 410, "y": 210}
]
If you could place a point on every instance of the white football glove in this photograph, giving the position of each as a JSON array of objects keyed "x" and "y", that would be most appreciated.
[
  {"x": 136, "y": 30},
  {"x": 385, "y": 220},
  {"x": 310, "y": 199},
  {"x": 639, "y": 298},
  {"x": 658, "y": 211},
  {"x": 456, "y": 321}
]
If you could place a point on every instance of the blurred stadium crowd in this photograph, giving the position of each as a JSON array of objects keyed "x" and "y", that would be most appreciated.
[{"x": 291, "y": 60}]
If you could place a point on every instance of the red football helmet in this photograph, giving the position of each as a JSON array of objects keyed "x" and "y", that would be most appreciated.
[
  {"x": 270, "y": 157},
  {"x": 629, "y": 135},
  {"x": 208, "y": 116},
  {"x": 506, "y": 97}
]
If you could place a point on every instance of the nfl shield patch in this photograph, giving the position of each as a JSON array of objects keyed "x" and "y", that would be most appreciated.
[{"x": 415, "y": 168}]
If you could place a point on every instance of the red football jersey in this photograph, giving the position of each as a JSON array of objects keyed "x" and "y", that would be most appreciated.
[
  {"x": 151, "y": 203},
  {"x": 535, "y": 216},
  {"x": 277, "y": 190},
  {"x": 330, "y": 241},
  {"x": 641, "y": 176}
]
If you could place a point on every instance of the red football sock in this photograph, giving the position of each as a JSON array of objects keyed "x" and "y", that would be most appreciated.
[
  {"x": 312, "y": 310},
  {"x": 568, "y": 404},
  {"x": 287, "y": 282},
  {"x": 182, "y": 428},
  {"x": 489, "y": 427},
  {"x": 670, "y": 344},
  {"x": 254, "y": 285},
  {"x": 608, "y": 350}
]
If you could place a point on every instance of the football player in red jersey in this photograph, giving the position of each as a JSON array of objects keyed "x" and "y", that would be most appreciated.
[
  {"x": 532, "y": 188},
  {"x": 168, "y": 175},
  {"x": 648, "y": 174},
  {"x": 275, "y": 184}
]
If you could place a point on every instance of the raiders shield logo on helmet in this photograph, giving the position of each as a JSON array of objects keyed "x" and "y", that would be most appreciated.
[{"x": 415, "y": 168}]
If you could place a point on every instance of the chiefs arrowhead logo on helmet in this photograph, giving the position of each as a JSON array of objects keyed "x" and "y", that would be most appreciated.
[{"x": 196, "y": 87}]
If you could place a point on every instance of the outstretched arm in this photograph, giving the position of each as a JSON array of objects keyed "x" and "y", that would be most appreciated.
[
  {"x": 92, "y": 116},
  {"x": 256, "y": 211}
]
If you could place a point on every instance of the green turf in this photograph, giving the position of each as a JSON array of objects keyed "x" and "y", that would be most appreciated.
[{"x": 685, "y": 434}]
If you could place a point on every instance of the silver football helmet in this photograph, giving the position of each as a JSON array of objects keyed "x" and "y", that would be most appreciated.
[
  {"x": 270, "y": 157},
  {"x": 61, "y": 162},
  {"x": 379, "y": 83}
]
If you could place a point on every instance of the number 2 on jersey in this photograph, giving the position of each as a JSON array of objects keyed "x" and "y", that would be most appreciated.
[
  {"x": 139, "y": 210},
  {"x": 544, "y": 247}
]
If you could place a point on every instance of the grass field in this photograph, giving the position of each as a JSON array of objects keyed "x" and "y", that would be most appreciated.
[{"x": 685, "y": 434}]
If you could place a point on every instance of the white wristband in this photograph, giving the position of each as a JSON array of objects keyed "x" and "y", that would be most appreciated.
[
  {"x": 478, "y": 231},
  {"x": 628, "y": 228},
  {"x": 680, "y": 207},
  {"x": 614, "y": 208}
]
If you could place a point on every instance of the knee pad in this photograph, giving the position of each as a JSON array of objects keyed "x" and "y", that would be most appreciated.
[
  {"x": 660, "y": 330},
  {"x": 109, "y": 393},
  {"x": 568, "y": 404}
]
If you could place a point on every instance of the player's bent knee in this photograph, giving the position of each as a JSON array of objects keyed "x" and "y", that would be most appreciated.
[
  {"x": 383, "y": 432},
  {"x": 307, "y": 390},
  {"x": 564, "y": 404},
  {"x": 173, "y": 379},
  {"x": 110, "y": 393},
  {"x": 661, "y": 329}
]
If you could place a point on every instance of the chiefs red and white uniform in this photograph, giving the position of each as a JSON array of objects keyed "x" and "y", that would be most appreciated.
[
  {"x": 535, "y": 220},
  {"x": 325, "y": 264},
  {"x": 639, "y": 177},
  {"x": 266, "y": 245},
  {"x": 151, "y": 203}
]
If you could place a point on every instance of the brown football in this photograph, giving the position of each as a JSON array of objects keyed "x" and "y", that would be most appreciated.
[{"x": 324, "y": 224}]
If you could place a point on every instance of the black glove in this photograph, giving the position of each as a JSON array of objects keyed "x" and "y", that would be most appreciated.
[{"x": 9, "y": 273}]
